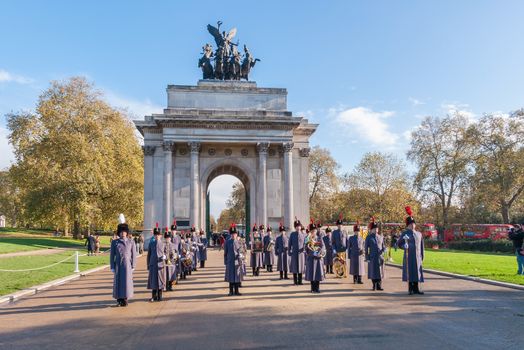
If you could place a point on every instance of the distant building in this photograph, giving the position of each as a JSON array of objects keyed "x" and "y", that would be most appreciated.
[{"x": 2, "y": 221}]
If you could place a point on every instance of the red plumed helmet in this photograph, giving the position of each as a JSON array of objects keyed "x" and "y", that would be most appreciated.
[{"x": 409, "y": 211}]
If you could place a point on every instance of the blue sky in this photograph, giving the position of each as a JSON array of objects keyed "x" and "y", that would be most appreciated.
[{"x": 366, "y": 71}]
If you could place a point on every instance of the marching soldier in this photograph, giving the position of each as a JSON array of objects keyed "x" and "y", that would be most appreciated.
[
  {"x": 156, "y": 280},
  {"x": 281, "y": 249},
  {"x": 233, "y": 261},
  {"x": 257, "y": 247},
  {"x": 186, "y": 259},
  {"x": 356, "y": 255},
  {"x": 269, "y": 250},
  {"x": 413, "y": 244},
  {"x": 202, "y": 249},
  {"x": 339, "y": 241},
  {"x": 328, "y": 259},
  {"x": 171, "y": 260},
  {"x": 122, "y": 260},
  {"x": 315, "y": 250},
  {"x": 176, "y": 241},
  {"x": 296, "y": 253},
  {"x": 374, "y": 249},
  {"x": 194, "y": 247}
]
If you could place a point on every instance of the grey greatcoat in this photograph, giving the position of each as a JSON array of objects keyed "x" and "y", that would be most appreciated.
[
  {"x": 356, "y": 255},
  {"x": 281, "y": 249},
  {"x": 155, "y": 265},
  {"x": 202, "y": 249},
  {"x": 269, "y": 252},
  {"x": 314, "y": 263},
  {"x": 413, "y": 256},
  {"x": 171, "y": 251},
  {"x": 233, "y": 261},
  {"x": 122, "y": 260},
  {"x": 374, "y": 248},
  {"x": 257, "y": 258},
  {"x": 296, "y": 252},
  {"x": 339, "y": 240},
  {"x": 328, "y": 259},
  {"x": 176, "y": 243}
]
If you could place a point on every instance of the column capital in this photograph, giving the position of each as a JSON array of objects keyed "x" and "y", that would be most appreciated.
[
  {"x": 287, "y": 146},
  {"x": 194, "y": 146},
  {"x": 304, "y": 152},
  {"x": 262, "y": 147},
  {"x": 148, "y": 150},
  {"x": 169, "y": 146}
]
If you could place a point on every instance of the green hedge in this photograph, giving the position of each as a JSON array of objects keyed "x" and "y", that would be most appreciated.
[{"x": 482, "y": 245}]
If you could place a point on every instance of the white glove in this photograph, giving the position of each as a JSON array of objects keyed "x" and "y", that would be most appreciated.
[
  {"x": 406, "y": 246},
  {"x": 133, "y": 269},
  {"x": 164, "y": 257}
]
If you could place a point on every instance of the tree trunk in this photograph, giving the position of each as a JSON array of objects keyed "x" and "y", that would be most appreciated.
[
  {"x": 76, "y": 229},
  {"x": 504, "y": 210}
]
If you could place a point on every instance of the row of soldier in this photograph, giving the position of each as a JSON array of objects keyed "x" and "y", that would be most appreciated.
[
  {"x": 171, "y": 256},
  {"x": 310, "y": 252}
]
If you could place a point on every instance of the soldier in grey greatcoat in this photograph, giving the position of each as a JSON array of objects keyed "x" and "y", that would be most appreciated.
[
  {"x": 413, "y": 244},
  {"x": 269, "y": 250},
  {"x": 233, "y": 261},
  {"x": 171, "y": 254},
  {"x": 281, "y": 250},
  {"x": 374, "y": 249},
  {"x": 356, "y": 255},
  {"x": 339, "y": 238},
  {"x": 202, "y": 249},
  {"x": 315, "y": 250},
  {"x": 156, "y": 280},
  {"x": 296, "y": 253},
  {"x": 194, "y": 247},
  {"x": 328, "y": 259},
  {"x": 122, "y": 260},
  {"x": 257, "y": 250},
  {"x": 176, "y": 240}
]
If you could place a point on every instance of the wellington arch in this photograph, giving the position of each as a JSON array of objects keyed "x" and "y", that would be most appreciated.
[{"x": 225, "y": 127}]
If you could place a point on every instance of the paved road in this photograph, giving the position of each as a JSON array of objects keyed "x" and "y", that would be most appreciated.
[{"x": 272, "y": 314}]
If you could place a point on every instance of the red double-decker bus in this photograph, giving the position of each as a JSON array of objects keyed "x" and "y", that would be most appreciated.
[
  {"x": 476, "y": 231},
  {"x": 427, "y": 229}
]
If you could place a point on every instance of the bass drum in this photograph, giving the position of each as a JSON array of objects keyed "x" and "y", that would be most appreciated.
[{"x": 339, "y": 266}]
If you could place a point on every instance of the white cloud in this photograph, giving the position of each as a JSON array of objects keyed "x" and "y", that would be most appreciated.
[
  {"x": 6, "y": 151},
  {"x": 6, "y": 77},
  {"x": 416, "y": 102},
  {"x": 368, "y": 124},
  {"x": 135, "y": 108},
  {"x": 459, "y": 108}
]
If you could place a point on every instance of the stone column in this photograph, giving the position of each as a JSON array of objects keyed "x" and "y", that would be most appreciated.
[
  {"x": 169, "y": 147},
  {"x": 262, "y": 148},
  {"x": 289, "y": 211},
  {"x": 304, "y": 183},
  {"x": 194, "y": 185},
  {"x": 149, "y": 151}
]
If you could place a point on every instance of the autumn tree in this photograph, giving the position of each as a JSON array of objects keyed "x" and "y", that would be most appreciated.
[
  {"x": 78, "y": 161},
  {"x": 10, "y": 204},
  {"x": 441, "y": 149},
  {"x": 235, "y": 211},
  {"x": 323, "y": 184}
]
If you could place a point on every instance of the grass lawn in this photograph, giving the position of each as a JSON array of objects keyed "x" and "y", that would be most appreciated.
[
  {"x": 13, "y": 243},
  {"x": 499, "y": 267},
  {"x": 15, "y": 281}
]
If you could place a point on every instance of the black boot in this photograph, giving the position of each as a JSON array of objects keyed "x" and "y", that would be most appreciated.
[
  {"x": 300, "y": 279},
  {"x": 270, "y": 268},
  {"x": 295, "y": 279},
  {"x": 331, "y": 269},
  {"x": 231, "y": 291},
  {"x": 312, "y": 287},
  {"x": 318, "y": 286},
  {"x": 202, "y": 264},
  {"x": 281, "y": 275},
  {"x": 410, "y": 288},
  {"x": 379, "y": 285},
  {"x": 355, "y": 279},
  {"x": 254, "y": 271},
  {"x": 417, "y": 290},
  {"x": 285, "y": 275},
  {"x": 359, "y": 280},
  {"x": 236, "y": 289},
  {"x": 374, "y": 284},
  {"x": 159, "y": 295},
  {"x": 124, "y": 302},
  {"x": 258, "y": 271},
  {"x": 153, "y": 295}
]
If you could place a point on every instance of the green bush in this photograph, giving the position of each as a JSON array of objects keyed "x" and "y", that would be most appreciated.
[
  {"x": 430, "y": 243},
  {"x": 482, "y": 245}
]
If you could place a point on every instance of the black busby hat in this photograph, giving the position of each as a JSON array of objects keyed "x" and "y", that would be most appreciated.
[
  {"x": 356, "y": 228},
  {"x": 339, "y": 221},
  {"x": 269, "y": 229},
  {"x": 261, "y": 227},
  {"x": 297, "y": 222},
  {"x": 254, "y": 228},
  {"x": 312, "y": 225},
  {"x": 233, "y": 229},
  {"x": 122, "y": 228},
  {"x": 281, "y": 228},
  {"x": 156, "y": 230},
  {"x": 174, "y": 226},
  {"x": 193, "y": 229},
  {"x": 410, "y": 219},
  {"x": 372, "y": 224},
  {"x": 167, "y": 233},
  {"x": 328, "y": 229}
]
